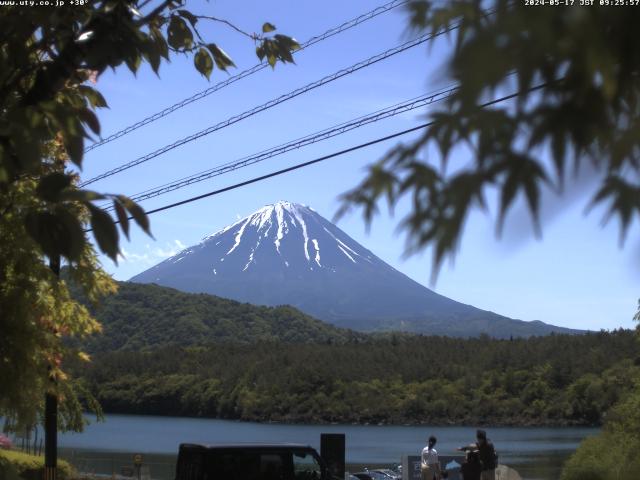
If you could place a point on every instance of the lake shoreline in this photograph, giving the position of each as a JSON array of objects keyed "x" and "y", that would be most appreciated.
[
  {"x": 536, "y": 452},
  {"x": 314, "y": 420}
]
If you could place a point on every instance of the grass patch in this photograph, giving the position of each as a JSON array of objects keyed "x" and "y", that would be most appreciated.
[{"x": 20, "y": 466}]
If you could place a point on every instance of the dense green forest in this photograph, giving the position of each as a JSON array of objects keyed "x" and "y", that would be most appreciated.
[
  {"x": 141, "y": 317},
  {"x": 148, "y": 316},
  {"x": 166, "y": 352},
  {"x": 552, "y": 380}
]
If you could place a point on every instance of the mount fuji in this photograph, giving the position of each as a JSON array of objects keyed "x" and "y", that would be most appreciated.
[{"x": 286, "y": 253}]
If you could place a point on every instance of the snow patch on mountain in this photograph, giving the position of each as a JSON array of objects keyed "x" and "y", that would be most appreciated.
[
  {"x": 239, "y": 236},
  {"x": 317, "y": 247}
]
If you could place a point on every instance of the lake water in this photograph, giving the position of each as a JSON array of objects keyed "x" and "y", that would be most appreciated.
[{"x": 106, "y": 447}]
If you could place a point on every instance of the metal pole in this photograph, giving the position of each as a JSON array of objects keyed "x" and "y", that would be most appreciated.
[{"x": 51, "y": 411}]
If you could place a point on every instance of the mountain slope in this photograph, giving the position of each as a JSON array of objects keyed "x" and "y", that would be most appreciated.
[
  {"x": 142, "y": 317},
  {"x": 286, "y": 253}
]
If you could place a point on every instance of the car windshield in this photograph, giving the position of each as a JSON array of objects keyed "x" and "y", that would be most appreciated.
[{"x": 306, "y": 466}]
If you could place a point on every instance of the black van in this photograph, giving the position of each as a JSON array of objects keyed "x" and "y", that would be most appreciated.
[{"x": 250, "y": 462}]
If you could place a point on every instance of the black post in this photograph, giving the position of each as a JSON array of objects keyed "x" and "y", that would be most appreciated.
[
  {"x": 50, "y": 436},
  {"x": 332, "y": 451},
  {"x": 51, "y": 411}
]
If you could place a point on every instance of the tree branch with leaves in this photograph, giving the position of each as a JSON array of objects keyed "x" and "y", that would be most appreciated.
[
  {"x": 48, "y": 110},
  {"x": 585, "y": 118}
]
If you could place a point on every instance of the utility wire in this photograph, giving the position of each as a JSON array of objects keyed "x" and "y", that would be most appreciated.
[
  {"x": 327, "y": 157},
  {"x": 256, "y": 68},
  {"x": 283, "y": 98},
  {"x": 289, "y": 169},
  {"x": 330, "y": 132}
]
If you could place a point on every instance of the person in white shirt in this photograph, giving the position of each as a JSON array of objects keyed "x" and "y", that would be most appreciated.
[{"x": 430, "y": 464}]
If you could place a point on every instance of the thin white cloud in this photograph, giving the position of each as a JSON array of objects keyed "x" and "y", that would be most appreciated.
[
  {"x": 130, "y": 257},
  {"x": 152, "y": 254}
]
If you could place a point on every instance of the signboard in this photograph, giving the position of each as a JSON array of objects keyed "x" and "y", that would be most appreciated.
[
  {"x": 145, "y": 473},
  {"x": 411, "y": 467}
]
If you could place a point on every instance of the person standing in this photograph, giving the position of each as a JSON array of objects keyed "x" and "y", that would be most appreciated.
[
  {"x": 430, "y": 464},
  {"x": 487, "y": 454}
]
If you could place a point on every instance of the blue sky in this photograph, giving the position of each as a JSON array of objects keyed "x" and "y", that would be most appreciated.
[{"x": 576, "y": 275}]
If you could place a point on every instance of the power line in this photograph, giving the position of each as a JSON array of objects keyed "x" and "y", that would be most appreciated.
[
  {"x": 256, "y": 68},
  {"x": 325, "y": 134},
  {"x": 327, "y": 157},
  {"x": 283, "y": 98},
  {"x": 289, "y": 169}
]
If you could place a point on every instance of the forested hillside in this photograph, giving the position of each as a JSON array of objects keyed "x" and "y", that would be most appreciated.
[
  {"x": 558, "y": 379},
  {"x": 149, "y": 316}
]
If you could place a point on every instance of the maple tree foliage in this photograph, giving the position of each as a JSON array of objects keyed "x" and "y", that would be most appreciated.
[
  {"x": 49, "y": 104},
  {"x": 576, "y": 72}
]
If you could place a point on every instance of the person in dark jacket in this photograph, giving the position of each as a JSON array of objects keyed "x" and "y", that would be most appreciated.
[
  {"x": 486, "y": 453},
  {"x": 471, "y": 469}
]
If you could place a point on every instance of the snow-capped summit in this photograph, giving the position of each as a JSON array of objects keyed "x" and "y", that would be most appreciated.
[
  {"x": 288, "y": 233},
  {"x": 286, "y": 253}
]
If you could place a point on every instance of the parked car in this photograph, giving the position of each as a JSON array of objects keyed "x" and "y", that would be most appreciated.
[
  {"x": 371, "y": 475},
  {"x": 250, "y": 462},
  {"x": 388, "y": 473}
]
